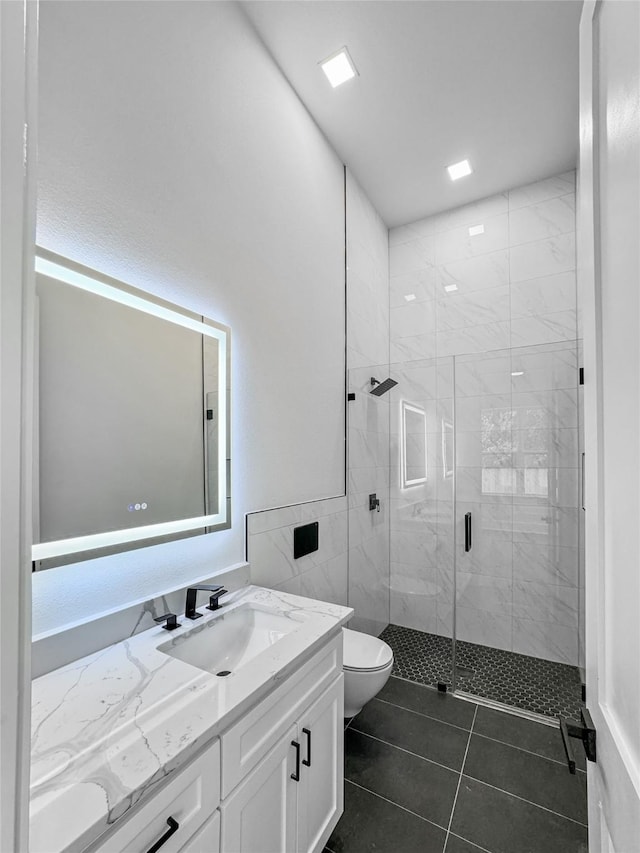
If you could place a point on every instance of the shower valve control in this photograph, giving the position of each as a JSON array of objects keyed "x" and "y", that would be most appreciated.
[{"x": 374, "y": 502}]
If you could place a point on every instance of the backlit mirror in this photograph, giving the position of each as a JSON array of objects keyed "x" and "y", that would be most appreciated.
[
  {"x": 132, "y": 417},
  {"x": 413, "y": 445}
]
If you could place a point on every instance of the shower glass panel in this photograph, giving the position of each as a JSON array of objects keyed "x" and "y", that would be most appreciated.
[
  {"x": 422, "y": 466},
  {"x": 517, "y": 475},
  {"x": 368, "y": 583}
]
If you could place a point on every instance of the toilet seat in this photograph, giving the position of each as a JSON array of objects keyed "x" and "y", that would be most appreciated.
[{"x": 364, "y": 653}]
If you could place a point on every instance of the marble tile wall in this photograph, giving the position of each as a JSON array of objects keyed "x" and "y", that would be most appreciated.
[
  {"x": 503, "y": 303},
  {"x": 513, "y": 284},
  {"x": 367, "y": 415},
  {"x": 321, "y": 574}
]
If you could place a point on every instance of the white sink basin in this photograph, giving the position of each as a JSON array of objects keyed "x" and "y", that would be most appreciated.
[{"x": 224, "y": 644}]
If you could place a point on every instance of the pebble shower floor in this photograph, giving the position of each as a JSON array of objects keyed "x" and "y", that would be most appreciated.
[{"x": 533, "y": 684}]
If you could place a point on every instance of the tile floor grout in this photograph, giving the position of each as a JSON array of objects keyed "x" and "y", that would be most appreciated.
[
  {"x": 529, "y": 802},
  {"x": 461, "y": 772},
  {"x": 392, "y": 803},
  {"x": 408, "y": 751},
  {"x": 462, "y": 728},
  {"x": 420, "y": 713},
  {"x": 466, "y": 840},
  {"x": 464, "y": 761}
]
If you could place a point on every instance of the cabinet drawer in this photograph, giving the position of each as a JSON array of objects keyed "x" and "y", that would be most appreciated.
[
  {"x": 189, "y": 798},
  {"x": 246, "y": 743},
  {"x": 206, "y": 839}
]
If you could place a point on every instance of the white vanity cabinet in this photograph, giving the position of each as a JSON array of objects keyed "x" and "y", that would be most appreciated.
[
  {"x": 272, "y": 783},
  {"x": 182, "y": 817},
  {"x": 282, "y": 763},
  {"x": 292, "y": 800}
]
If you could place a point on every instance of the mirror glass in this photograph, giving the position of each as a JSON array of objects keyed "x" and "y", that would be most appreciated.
[
  {"x": 414, "y": 445},
  {"x": 132, "y": 417}
]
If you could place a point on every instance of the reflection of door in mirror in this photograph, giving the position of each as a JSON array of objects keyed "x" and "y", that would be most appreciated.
[{"x": 130, "y": 418}]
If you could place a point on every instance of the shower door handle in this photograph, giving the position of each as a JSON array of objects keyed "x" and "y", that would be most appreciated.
[{"x": 467, "y": 531}]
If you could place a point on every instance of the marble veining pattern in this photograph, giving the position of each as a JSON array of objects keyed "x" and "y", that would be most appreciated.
[
  {"x": 506, "y": 308},
  {"x": 108, "y": 728}
]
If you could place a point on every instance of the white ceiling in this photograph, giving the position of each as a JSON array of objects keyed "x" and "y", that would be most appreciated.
[{"x": 494, "y": 81}]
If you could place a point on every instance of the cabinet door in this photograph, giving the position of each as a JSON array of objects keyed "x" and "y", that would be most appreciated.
[
  {"x": 320, "y": 798},
  {"x": 260, "y": 815},
  {"x": 206, "y": 839}
]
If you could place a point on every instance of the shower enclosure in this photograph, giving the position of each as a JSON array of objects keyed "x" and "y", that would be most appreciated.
[{"x": 484, "y": 496}]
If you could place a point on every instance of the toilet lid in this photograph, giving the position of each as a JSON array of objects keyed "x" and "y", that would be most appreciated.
[{"x": 364, "y": 652}]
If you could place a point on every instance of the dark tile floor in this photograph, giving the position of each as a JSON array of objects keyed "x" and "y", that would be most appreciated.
[
  {"x": 428, "y": 773},
  {"x": 542, "y": 686}
]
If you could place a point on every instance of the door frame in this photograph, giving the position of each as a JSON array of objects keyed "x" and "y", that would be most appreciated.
[
  {"x": 18, "y": 81},
  {"x": 614, "y": 781}
]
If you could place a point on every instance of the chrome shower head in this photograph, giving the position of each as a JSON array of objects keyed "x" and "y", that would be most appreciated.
[{"x": 379, "y": 388}]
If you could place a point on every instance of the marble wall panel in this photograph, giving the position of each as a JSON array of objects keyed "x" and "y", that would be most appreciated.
[
  {"x": 545, "y": 640},
  {"x": 509, "y": 316},
  {"x": 558, "y": 185},
  {"x": 542, "y": 220},
  {"x": 270, "y": 551},
  {"x": 551, "y": 256}
]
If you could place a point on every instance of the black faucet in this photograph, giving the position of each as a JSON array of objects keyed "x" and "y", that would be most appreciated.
[{"x": 190, "y": 611}]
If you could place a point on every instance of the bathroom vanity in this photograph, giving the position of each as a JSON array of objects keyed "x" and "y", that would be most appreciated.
[{"x": 223, "y": 736}]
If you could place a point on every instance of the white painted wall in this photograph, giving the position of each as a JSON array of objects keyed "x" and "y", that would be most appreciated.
[{"x": 175, "y": 156}]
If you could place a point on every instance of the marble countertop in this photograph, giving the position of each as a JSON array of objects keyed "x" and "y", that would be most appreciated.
[{"x": 108, "y": 728}]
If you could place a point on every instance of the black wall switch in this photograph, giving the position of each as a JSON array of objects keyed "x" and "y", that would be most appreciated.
[{"x": 305, "y": 539}]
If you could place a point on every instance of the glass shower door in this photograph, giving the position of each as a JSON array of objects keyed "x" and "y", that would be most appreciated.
[
  {"x": 421, "y": 520},
  {"x": 516, "y": 578},
  {"x": 484, "y": 487}
]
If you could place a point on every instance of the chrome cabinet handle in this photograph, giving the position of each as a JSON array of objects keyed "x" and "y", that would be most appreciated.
[
  {"x": 174, "y": 826},
  {"x": 307, "y": 761}
]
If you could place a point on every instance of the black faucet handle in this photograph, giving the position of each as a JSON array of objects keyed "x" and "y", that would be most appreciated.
[
  {"x": 170, "y": 620},
  {"x": 214, "y": 604}
]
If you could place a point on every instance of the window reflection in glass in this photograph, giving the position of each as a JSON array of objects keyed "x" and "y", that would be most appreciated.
[{"x": 515, "y": 446}]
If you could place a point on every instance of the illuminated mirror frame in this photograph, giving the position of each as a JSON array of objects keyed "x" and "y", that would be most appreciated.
[
  {"x": 62, "y": 269},
  {"x": 416, "y": 410}
]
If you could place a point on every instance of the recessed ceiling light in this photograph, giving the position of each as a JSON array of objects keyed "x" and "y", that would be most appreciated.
[
  {"x": 339, "y": 67},
  {"x": 450, "y": 287},
  {"x": 475, "y": 230},
  {"x": 409, "y": 297},
  {"x": 459, "y": 170},
  {"x": 517, "y": 373}
]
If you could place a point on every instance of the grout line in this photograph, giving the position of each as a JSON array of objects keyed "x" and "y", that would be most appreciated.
[
  {"x": 528, "y": 751},
  {"x": 522, "y": 799},
  {"x": 408, "y": 751},
  {"x": 420, "y": 714},
  {"x": 455, "y": 799},
  {"x": 397, "y": 805},
  {"x": 472, "y": 843}
]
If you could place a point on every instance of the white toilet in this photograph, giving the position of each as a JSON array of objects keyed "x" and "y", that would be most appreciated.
[{"x": 367, "y": 663}]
